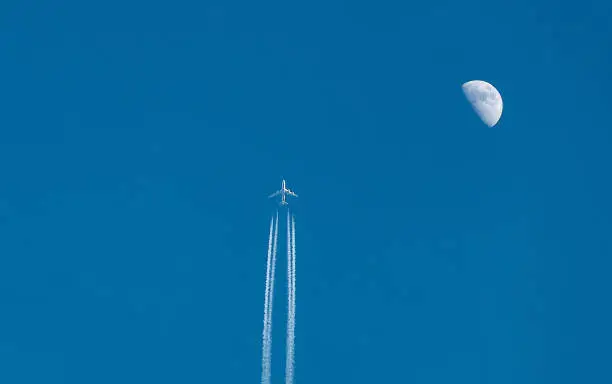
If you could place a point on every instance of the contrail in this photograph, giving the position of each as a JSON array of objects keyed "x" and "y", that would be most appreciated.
[
  {"x": 292, "y": 296},
  {"x": 290, "y": 363},
  {"x": 271, "y": 302},
  {"x": 268, "y": 300},
  {"x": 265, "y": 379},
  {"x": 289, "y": 302}
]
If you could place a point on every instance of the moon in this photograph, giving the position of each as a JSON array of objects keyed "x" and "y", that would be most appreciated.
[{"x": 485, "y": 99}]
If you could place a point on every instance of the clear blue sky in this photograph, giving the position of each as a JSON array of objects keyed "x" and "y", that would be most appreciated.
[{"x": 139, "y": 140}]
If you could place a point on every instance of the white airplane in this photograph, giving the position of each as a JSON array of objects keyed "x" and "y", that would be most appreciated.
[{"x": 284, "y": 191}]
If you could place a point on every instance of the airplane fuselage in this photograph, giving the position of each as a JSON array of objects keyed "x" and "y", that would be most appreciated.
[{"x": 283, "y": 193}]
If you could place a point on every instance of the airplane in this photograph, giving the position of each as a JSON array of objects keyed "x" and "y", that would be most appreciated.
[{"x": 284, "y": 191}]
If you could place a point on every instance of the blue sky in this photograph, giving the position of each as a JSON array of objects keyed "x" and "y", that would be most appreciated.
[{"x": 138, "y": 141}]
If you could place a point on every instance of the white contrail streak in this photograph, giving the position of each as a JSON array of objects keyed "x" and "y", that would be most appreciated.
[
  {"x": 290, "y": 363},
  {"x": 271, "y": 302},
  {"x": 292, "y": 297},
  {"x": 265, "y": 378},
  {"x": 266, "y": 366},
  {"x": 289, "y": 292},
  {"x": 266, "y": 369}
]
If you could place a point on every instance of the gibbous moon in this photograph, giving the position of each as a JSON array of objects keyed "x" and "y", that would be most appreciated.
[{"x": 485, "y": 99}]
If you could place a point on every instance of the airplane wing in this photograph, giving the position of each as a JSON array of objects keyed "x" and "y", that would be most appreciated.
[
  {"x": 289, "y": 192},
  {"x": 274, "y": 194}
]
